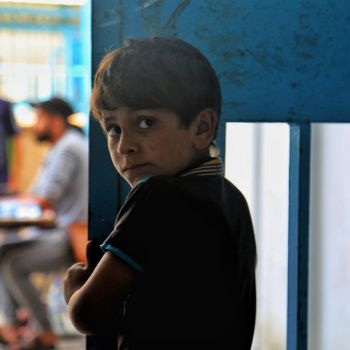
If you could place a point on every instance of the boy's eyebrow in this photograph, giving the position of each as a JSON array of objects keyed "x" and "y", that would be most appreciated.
[{"x": 108, "y": 118}]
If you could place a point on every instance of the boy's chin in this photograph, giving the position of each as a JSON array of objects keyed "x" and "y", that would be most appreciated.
[{"x": 133, "y": 183}]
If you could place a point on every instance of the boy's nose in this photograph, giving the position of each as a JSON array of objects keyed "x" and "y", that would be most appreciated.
[{"x": 126, "y": 145}]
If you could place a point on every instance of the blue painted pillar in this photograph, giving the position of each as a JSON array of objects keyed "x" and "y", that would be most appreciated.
[
  {"x": 103, "y": 180},
  {"x": 298, "y": 240}
]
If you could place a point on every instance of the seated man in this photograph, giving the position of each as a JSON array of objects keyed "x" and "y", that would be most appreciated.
[{"x": 61, "y": 185}]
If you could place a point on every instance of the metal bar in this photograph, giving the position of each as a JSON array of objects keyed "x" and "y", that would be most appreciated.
[
  {"x": 221, "y": 140},
  {"x": 298, "y": 236}
]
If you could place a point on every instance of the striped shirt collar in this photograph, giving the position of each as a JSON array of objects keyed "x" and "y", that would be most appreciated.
[{"x": 212, "y": 167}]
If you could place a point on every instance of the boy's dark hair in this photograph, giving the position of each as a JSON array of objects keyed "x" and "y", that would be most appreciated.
[
  {"x": 156, "y": 72},
  {"x": 56, "y": 106}
]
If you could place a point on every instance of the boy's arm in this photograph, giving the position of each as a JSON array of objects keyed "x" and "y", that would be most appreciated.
[{"x": 94, "y": 295}]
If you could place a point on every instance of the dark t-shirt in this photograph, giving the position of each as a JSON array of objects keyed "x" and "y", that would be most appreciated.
[
  {"x": 191, "y": 239},
  {"x": 7, "y": 128}
]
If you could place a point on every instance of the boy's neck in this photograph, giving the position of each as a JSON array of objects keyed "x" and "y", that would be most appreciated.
[{"x": 202, "y": 158}]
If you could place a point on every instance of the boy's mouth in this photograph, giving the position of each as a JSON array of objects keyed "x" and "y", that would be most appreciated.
[{"x": 132, "y": 168}]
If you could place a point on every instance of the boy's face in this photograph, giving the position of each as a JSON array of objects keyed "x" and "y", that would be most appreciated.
[{"x": 148, "y": 143}]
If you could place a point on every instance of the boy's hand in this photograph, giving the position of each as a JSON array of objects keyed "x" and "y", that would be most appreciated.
[{"x": 79, "y": 273}]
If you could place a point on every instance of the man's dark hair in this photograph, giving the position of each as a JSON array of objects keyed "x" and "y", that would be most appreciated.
[
  {"x": 56, "y": 106},
  {"x": 157, "y": 72}
]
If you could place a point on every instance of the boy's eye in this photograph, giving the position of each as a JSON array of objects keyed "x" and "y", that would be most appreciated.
[
  {"x": 113, "y": 131},
  {"x": 145, "y": 123}
]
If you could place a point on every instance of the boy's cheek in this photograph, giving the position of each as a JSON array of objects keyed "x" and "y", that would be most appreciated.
[
  {"x": 115, "y": 159},
  {"x": 116, "y": 165}
]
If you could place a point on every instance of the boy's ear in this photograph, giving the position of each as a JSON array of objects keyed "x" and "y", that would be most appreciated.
[{"x": 204, "y": 126}]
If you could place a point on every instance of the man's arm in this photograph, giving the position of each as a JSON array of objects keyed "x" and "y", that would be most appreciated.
[{"x": 94, "y": 295}]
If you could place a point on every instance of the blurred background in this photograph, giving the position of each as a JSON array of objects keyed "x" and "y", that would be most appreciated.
[{"x": 44, "y": 52}]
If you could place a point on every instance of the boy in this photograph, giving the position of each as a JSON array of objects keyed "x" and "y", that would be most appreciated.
[{"x": 179, "y": 267}]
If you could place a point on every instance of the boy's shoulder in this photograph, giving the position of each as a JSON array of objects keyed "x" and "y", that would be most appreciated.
[
  {"x": 201, "y": 189},
  {"x": 162, "y": 189},
  {"x": 157, "y": 195},
  {"x": 174, "y": 184},
  {"x": 157, "y": 186},
  {"x": 184, "y": 198}
]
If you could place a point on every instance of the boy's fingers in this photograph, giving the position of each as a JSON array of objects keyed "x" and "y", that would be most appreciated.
[
  {"x": 92, "y": 254},
  {"x": 89, "y": 253}
]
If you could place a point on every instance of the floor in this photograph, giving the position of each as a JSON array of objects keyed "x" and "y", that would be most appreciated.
[
  {"x": 72, "y": 343},
  {"x": 70, "y": 339},
  {"x": 67, "y": 343}
]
